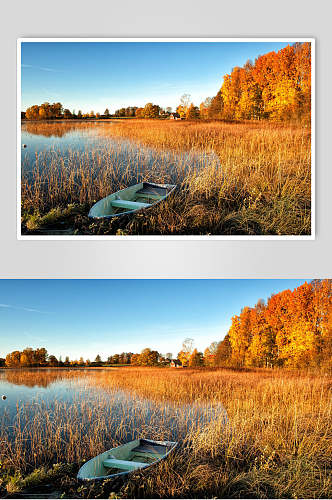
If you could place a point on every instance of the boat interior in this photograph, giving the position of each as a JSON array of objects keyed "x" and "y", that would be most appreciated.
[
  {"x": 134, "y": 455},
  {"x": 142, "y": 198}
]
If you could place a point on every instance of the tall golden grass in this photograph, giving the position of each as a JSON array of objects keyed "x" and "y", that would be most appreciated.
[
  {"x": 275, "y": 443},
  {"x": 253, "y": 178}
]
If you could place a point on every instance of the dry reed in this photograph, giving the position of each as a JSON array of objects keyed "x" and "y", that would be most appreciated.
[
  {"x": 245, "y": 178},
  {"x": 275, "y": 443}
]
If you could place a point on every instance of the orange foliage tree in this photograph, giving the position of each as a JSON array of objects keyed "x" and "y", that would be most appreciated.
[
  {"x": 276, "y": 87},
  {"x": 293, "y": 329}
]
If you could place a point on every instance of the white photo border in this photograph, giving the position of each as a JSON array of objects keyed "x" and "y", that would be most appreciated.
[{"x": 170, "y": 237}]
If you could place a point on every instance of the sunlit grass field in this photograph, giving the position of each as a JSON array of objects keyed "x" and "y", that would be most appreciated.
[
  {"x": 275, "y": 442},
  {"x": 259, "y": 183}
]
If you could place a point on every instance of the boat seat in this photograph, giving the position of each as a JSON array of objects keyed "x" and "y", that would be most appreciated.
[
  {"x": 132, "y": 205},
  {"x": 123, "y": 464}
]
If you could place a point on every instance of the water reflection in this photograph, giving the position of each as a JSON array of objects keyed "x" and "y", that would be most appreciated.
[
  {"x": 38, "y": 377},
  {"x": 66, "y": 401},
  {"x": 53, "y": 146},
  {"x": 54, "y": 129}
]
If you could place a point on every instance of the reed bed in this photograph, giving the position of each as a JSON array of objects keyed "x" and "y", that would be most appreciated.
[
  {"x": 244, "y": 178},
  {"x": 275, "y": 443}
]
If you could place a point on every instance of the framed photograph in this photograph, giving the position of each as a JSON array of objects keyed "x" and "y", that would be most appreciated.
[
  {"x": 208, "y": 389},
  {"x": 165, "y": 138}
]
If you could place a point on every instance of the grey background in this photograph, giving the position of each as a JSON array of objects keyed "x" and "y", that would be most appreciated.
[{"x": 179, "y": 18}]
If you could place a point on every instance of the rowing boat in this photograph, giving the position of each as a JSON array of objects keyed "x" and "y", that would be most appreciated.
[
  {"x": 127, "y": 458},
  {"x": 131, "y": 199}
]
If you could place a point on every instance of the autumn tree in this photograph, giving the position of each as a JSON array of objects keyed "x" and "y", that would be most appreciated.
[
  {"x": 231, "y": 93},
  {"x": 41, "y": 356},
  {"x": 224, "y": 352},
  {"x": 45, "y": 112},
  {"x": 181, "y": 111},
  {"x": 56, "y": 110},
  {"x": 204, "y": 108},
  {"x": 192, "y": 112},
  {"x": 135, "y": 360},
  {"x": 13, "y": 359},
  {"x": 27, "y": 357},
  {"x": 52, "y": 360},
  {"x": 303, "y": 78},
  {"x": 32, "y": 113},
  {"x": 279, "y": 318},
  {"x": 215, "y": 109},
  {"x": 195, "y": 359},
  {"x": 151, "y": 110},
  {"x": 139, "y": 113},
  {"x": 183, "y": 107},
  {"x": 210, "y": 354},
  {"x": 187, "y": 349},
  {"x": 261, "y": 350},
  {"x": 148, "y": 357},
  {"x": 116, "y": 359},
  {"x": 240, "y": 336}
]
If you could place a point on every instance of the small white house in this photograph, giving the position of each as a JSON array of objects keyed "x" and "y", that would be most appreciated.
[{"x": 175, "y": 363}]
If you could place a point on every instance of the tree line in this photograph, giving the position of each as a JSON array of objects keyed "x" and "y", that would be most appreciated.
[
  {"x": 47, "y": 111},
  {"x": 277, "y": 86},
  {"x": 39, "y": 357},
  {"x": 294, "y": 329}
]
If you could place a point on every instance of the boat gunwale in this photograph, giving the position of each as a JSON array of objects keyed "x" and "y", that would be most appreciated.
[
  {"x": 173, "y": 186},
  {"x": 126, "y": 473}
]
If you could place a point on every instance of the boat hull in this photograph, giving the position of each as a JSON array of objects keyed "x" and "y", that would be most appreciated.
[
  {"x": 130, "y": 200},
  {"x": 114, "y": 463}
]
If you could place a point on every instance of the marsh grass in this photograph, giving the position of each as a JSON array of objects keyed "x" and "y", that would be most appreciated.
[
  {"x": 275, "y": 443},
  {"x": 246, "y": 178}
]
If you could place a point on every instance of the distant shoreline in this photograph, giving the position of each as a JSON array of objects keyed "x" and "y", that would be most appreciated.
[
  {"x": 61, "y": 367},
  {"x": 66, "y": 120}
]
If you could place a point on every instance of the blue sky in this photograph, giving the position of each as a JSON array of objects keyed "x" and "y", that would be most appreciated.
[
  {"x": 90, "y": 317},
  {"x": 95, "y": 75}
]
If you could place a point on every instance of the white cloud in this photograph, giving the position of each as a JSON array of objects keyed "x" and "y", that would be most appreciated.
[
  {"x": 27, "y": 309},
  {"x": 41, "y": 68}
]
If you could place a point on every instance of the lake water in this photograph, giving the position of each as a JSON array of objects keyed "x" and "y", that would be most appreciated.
[
  {"x": 47, "y": 143},
  {"x": 52, "y": 405}
]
